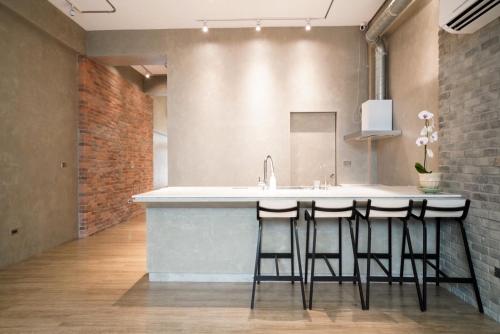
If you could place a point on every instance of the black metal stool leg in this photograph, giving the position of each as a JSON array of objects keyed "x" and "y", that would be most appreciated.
[
  {"x": 368, "y": 261},
  {"x": 356, "y": 239},
  {"x": 424, "y": 265},
  {"x": 340, "y": 250},
  {"x": 260, "y": 260},
  {"x": 471, "y": 268},
  {"x": 402, "y": 265},
  {"x": 389, "y": 246},
  {"x": 438, "y": 247},
  {"x": 307, "y": 249},
  {"x": 291, "y": 249},
  {"x": 313, "y": 262},
  {"x": 413, "y": 265},
  {"x": 257, "y": 260},
  {"x": 356, "y": 266},
  {"x": 300, "y": 266}
]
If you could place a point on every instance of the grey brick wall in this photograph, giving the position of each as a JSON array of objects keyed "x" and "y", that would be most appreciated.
[{"x": 469, "y": 119}]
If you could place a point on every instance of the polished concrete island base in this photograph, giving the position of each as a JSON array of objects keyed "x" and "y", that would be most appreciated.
[{"x": 198, "y": 234}]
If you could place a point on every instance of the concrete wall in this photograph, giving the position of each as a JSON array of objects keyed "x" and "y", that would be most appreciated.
[
  {"x": 413, "y": 85},
  {"x": 469, "y": 100},
  {"x": 38, "y": 131},
  {"x": 49, "y": 20},
  {"x": 129, "y": 74},
  {"x": 160, "y": 114},
  {"x": 156, "y": 85},
  {"x": 231, "y": 92},
  {"x": 160, "y": 142}
]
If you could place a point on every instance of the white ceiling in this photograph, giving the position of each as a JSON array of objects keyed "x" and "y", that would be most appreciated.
[
  {"x": 181, "y": 14},
  {"x": 152, "y": 69}
]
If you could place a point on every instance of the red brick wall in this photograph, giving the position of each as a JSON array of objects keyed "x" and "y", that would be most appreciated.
[{"x": 115, "y": 147}]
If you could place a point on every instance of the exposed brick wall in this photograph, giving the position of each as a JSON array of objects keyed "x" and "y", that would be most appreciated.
[
  {"x": 115, "y": 147},
  {"x": 469, "y": 84}
]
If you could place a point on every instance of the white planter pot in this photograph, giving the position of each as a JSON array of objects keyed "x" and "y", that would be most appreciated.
[{"x": 430, "y": 180}]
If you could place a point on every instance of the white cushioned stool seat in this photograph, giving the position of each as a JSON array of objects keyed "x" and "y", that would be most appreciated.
[
  {"x": 442, "y": 203},
  {"x": 276, "y": 205},
  {"x": 332, "y": 204},
  {"x": 386, "y": 203}
]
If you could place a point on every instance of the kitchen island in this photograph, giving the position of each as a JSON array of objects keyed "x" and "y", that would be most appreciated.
[{"x": 209, "y": 234}]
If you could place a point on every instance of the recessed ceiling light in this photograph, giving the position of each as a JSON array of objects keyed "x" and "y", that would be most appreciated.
[
  {"x": 308, "y": 25},
  {"x": 258, "y": 27},
  {"x": 205, "y": 27},
  {"x": 148, "y": 75}
]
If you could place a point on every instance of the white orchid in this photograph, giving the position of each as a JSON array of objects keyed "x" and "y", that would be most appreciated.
[
  {"x": 422, "y": 141},
  {"x": 427, "y": 136},
  {"x": 424, "y": 114}
]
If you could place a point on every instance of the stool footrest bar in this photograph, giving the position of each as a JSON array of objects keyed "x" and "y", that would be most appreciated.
[
  {"x": 270, "y": 278},
  {"x": 420, "y": 256},
  {"x": 328, "y": 255},
  {"x": 451, "y": 280},
  {"x": 275, "y": 255},
  {"x": 378, "y": 255}
]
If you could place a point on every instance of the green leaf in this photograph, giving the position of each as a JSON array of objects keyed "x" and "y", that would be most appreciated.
[{"x": 421, "y": 169}]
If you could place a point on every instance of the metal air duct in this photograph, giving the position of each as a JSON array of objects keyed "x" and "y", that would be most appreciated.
[{"x": 380, "y": 23}]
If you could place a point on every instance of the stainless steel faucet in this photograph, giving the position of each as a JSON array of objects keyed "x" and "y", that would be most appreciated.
[{"x": 266, "y": 181}]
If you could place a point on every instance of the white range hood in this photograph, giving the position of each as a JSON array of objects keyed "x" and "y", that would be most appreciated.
[
  {"x": 376, "y": 121},
  {"x": 376, "y": 115}
]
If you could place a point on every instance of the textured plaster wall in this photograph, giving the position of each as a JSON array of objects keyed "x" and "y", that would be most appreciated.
[
  {"x": 413, "y": 85},
  {"x": 231, "y": 92},
  {"x": 49, "y": 20},
  {"x": 130, "y": 75},
  {"x": 38, "y": 131},
  {"x": 160, "y": 114}
]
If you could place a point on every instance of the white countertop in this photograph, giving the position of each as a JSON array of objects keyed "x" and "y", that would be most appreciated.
[{"x": 248, "y": 194}]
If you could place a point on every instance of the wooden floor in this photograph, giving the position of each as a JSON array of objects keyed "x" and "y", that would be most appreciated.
[{"x": 99, "y": 285}]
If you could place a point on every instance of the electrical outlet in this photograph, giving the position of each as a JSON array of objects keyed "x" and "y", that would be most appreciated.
[
  {"x": 347, "y": 163},
  {"x": 497, "y": 272}
]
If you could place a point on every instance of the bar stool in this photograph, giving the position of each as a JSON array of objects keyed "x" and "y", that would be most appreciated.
[
  {"x": 384, "y": 208},
  {"x": 454, "y": 210},
  {"x": 278, "y": 210},
  {"x": 328, "y": 210}
]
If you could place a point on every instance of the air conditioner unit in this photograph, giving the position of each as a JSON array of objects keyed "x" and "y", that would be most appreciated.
[{"x": 467, "y": 16}]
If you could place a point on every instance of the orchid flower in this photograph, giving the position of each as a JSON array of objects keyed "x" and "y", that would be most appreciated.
[
  {"x": 426, "y": 115},
  {"x": 427, "y": 136},
  {"x": 422, "y": 141}
]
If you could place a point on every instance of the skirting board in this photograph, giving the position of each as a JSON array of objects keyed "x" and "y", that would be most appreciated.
[
  {"x": 189, "y": 277},
  {"x": 213, "y": 278}
]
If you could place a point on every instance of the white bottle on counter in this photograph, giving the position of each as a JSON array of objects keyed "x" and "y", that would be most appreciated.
[{"x": 272, "y": 182}]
